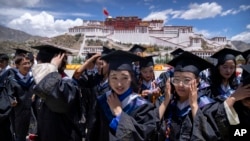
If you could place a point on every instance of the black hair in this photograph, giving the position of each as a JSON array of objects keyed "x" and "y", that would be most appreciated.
[
  {"x": 216, "y": 79},
  {"x": 18, "y": 58}
]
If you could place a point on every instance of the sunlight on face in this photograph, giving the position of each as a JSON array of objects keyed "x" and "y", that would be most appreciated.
[
  {"x": 227, "y": 69},
  {"x": 147, "y": 73},
  {"x": 120, "y": 81},
  {"x": 181, "y": 82},
  {"x": 24, "y": 66}
]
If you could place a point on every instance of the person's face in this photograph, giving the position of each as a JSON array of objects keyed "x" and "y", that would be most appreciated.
[
  {"x": 3, "y": 64},
  {"x": 24, "y": 66},
  {"x": 227, "y": 69},
  {"x": 181, "y": 82},
  {"x": 102, "y": 67},
  {"x": 147, "y": 73},
  {"x": 120, "y": 81}
]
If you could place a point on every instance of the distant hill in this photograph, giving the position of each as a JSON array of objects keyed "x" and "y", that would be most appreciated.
[
  {"x": 8, "y": 34},
  {"x": 242, "y": 46},
  {"x": 11, "y": 39}
]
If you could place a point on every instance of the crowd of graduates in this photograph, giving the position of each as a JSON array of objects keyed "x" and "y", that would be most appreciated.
[{"x": 114, "y": 96}]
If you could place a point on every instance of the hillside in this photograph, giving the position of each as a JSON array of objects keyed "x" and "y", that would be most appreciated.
[{"x": 242, "y": 46}]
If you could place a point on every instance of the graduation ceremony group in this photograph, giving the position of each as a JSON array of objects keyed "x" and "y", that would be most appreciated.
[{"x": 115, "y": 96}]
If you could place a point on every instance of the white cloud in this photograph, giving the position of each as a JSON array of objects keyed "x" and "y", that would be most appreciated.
[
  {"x": 235, "y": 11},
  {"x": 151, "y": 7},
  {"x": 204, "y": 32},
  {"x": 159, "y": 15},
  {"x": 19, "y": 3},
  {"x": 244, "y": 36},
  {"x": 248, "y": 26},
  {"x": 43, "y": 24},
  {"x": 202, "y": 11}
]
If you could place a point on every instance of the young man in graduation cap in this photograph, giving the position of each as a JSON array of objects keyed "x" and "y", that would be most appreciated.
[
  {"x": 123, "y": 114},
  {"x": 19, "y": 83},
  {"x": 138, "y": 50},
  {"x": 59, "y": 111},
  {"x": 180, "y": 111}
]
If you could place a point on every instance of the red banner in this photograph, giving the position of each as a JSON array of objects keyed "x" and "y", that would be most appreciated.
[{"x": 105, "y": 12}]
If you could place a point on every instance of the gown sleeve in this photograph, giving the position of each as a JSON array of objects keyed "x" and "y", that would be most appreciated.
[
  {"x": 139, "y": 125},
  {"x": 57, "y": 93}
]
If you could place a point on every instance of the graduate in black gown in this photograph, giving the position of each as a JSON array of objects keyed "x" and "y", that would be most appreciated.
[
  {"x": 138, "y": 50},
  {"x": 59, "y": 111},
  {"x": 147, "y": 87},
  {"x": 92, "y": 85},
  {"x": 226, "y": 91},
  {"x": 123, "y": 114},
  {"x": 20, "y": 87},
  {"x": 181, "y": 112},
  {"x": 242, "y": 108}
]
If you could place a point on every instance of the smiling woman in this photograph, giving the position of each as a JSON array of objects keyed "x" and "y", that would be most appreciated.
[{"x": 123, "y": 114}]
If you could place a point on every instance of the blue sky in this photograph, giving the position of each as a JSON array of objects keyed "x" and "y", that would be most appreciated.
[{"x": 229, "y": 18}]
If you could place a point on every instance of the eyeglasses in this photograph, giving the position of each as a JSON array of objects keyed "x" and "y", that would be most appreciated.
[{"x": 185, "y": 81}]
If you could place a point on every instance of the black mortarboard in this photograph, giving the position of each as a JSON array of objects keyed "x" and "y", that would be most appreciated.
[
  {"x": 177, "y": 52},
  {"x": 121, "y": 60},
  {"x": 47, "y": 52},
  {"x": 225, "y": 54},
  {"x": 147, "y": 61},
  {"x": 4, "y": 56},
  {"x": 106, "y": 50},
  {"x": 246, "y": 74},
  {"x": 20, "y": 51},
  {"x": 188, "y": 62},
  {"x": 137, "y": 48},
  {"x": 246, "y": 54},
  {"x": 89, "y": 55}
]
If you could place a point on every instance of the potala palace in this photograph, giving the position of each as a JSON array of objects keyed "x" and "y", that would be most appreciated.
[{"x": 133, "y": 30}]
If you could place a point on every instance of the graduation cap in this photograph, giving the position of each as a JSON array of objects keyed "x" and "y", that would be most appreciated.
[
  {"x": 188, "y": 62},
  {"x": 106, "y": 50},
  {"x": 246, "y": 74},
  {"x": 137, "y": 48},
  {"x": 89, "y": 55},
  {"x": 47, "y": 52},
  {"x": 4, "y": 56},
  {"x": 147, "y": 61},
  {"x": 246, "y": 54},
  {"x": 121, "y": 60},
  {"x": 177, "y": 52},
  {"x": 225, "y": 54},
  {"x": 20, "y": 51}
]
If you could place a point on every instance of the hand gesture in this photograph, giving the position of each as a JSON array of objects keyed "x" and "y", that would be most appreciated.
[
  {"x": 193, "y": 93},
  {"x": 168, "y": 89},
  {"x": 57, "y": 60},
  {"x": 114, "y": 104},
  {"x": 242, "y": 92}
]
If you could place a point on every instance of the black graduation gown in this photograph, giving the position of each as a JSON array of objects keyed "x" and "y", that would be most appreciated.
[
  {"x": 137, "y": 125},
  {"x": 217, "y": 117},
  {"x": 59, "y": 113},
  {"x": 23, "y": 93},
  {"x": 184, "y": 127}
]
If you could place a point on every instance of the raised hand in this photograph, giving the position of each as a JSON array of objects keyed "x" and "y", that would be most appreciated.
[
  {"x": 114, "y": 104},
  {"x": 57, "y": 60}
]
